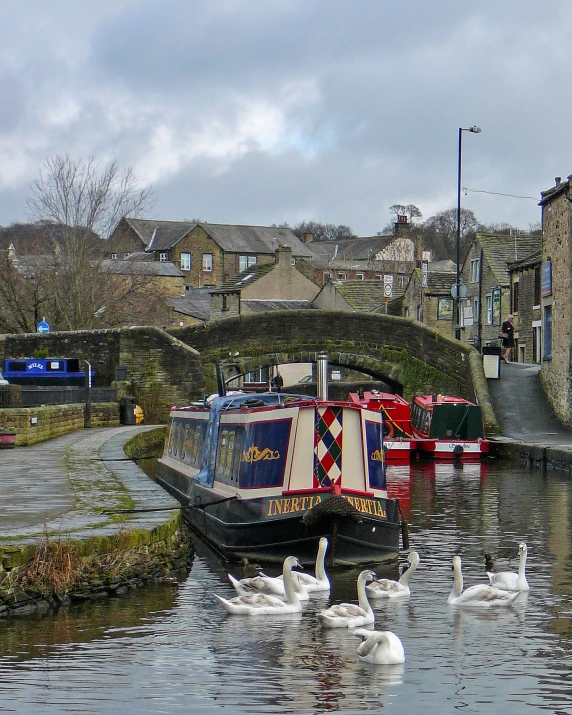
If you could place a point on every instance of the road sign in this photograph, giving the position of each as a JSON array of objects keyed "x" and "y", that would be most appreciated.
[
  {"x": 387, "y": 290},
  {"x": 43, "y": 327}
]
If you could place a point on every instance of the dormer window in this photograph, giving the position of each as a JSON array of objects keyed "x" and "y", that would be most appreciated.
[
  {"x": 163, "y": 256},
  {"x": 115, "y": 256}
]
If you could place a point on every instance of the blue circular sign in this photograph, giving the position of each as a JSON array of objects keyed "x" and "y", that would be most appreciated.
[{"x": 43, "y": 327}]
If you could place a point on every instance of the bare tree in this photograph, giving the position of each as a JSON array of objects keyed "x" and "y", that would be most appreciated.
[
  {"x": 409, "y": 210},
  {"x": 323, "y": 231},
  {"x": 440, "y": 233},
  {"x": 73, "y": 204}
]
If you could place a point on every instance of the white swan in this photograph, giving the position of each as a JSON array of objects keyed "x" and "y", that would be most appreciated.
[
  {"x": 482, "y": 595},
  {"x": 512, "y": 581},
  {"x": 388, "y": 588},
  {"x": 259, "y": 604},
  {"x": 348, "y": 615},
  {"x": 379, "y": 647},
  {"x": 320, "y": 582},
  {"x": 271, "y": 585}
]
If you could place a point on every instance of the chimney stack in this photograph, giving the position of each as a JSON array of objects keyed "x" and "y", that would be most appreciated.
[
  {"x": 308, "y": 237},
  {"x": 557, "y": 180}
]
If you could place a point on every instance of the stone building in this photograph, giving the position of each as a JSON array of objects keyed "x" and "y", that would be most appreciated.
[
  {"x": 208, "y": 254},
  {"x": 276, "y": 285},
  {"x": 487, "y": 279},
  {"x": 364, "y": 296},
  {"x": 555, "y": 298},
  {"x": 525, "y": 307},
  {"x": 427, "y": 298}
]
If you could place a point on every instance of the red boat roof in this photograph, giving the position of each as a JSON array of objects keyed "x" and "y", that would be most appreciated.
[{"x": 429, "y": 400}]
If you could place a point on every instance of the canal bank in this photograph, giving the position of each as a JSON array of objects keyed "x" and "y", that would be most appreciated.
[
  {"x": 80, "y": 520},
  {"x": 529, "y": 431}
]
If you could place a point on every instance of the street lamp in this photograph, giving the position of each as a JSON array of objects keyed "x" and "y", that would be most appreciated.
[{"x": 456, "y": 316}]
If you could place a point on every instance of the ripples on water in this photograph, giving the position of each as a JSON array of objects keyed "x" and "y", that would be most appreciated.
[{"x": 172, "y": 649}]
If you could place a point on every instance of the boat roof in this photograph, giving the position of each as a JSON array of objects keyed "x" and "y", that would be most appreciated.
[{"x": 441, "y": 399}]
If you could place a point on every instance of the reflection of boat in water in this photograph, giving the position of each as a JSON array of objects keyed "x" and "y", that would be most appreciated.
[
  {"x": 266, "y": 476},
  {"x": 448, "y": 427}
]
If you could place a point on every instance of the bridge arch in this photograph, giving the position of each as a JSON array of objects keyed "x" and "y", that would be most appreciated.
[{"x": 409, "y": 356}]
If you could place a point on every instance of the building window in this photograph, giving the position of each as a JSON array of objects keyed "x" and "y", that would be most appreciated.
[
  {"x": 515, "y": 293},
  {"x": 187, "y": 288},
  {"x": 401, "y": 281},
  {"x": 115, "y": 256},
  {"x": 475, "y": 309},
  {"x": 245, "y": 262},
  {"x": 186, "y": 261},
  {"x": 126, "y": 254},
  {"x": 475, "y": 265},
  {"x": 341, "y": 276},
  {"x": 327, "y": 277},
  {"x": 537, "y": 286},
  {"x": 489, "y": 301},
  {"x": 208, "y": 262},
  {"x": 445, "y": 309},
  {"x": 224, "y": 305},
  {"x": 163, "y": 256},
  {"x": 378, "y": 277},
  {"x": 359, "y": 276}
]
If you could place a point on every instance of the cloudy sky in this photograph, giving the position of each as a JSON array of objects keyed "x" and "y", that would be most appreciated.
[{"x": 266, "y": 111}]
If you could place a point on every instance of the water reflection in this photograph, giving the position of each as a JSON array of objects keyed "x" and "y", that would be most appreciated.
[{"x": 173, "y": 649}]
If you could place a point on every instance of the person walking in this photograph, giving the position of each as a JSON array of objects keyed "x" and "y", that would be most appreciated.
[{"x": 507, "y": 333}]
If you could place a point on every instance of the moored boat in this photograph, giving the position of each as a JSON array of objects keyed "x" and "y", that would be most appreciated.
[
  {"x": 267, "y": 476},
  {"x": 447, "y": 427}
]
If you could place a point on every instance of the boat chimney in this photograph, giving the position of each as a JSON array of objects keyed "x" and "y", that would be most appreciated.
[{"x": 322, "y": 376}]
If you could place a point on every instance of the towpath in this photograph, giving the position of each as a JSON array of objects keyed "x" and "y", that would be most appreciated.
[
  {"x": 528, "y": 426},
  {"x": 68, "y": 484}
]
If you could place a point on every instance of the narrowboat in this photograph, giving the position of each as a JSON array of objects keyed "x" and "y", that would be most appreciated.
[
  {"x": 398, "y": 442},
  {"x": 266, "y": 476},
  {"x": 448, "y": 427}
]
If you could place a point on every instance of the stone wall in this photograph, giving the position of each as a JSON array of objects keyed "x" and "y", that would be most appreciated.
[
  {"x": 555, "y": 373},
  {"x": 38, "y": 424},
  {"x": 161, "y": 370},
  {"x": 526, "y": 314}
]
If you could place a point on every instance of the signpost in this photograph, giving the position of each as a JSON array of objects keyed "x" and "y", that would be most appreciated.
[{"x": 43, "y": 327}]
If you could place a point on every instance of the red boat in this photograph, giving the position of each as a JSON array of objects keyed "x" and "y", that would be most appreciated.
[
  {"x": 448, "y": 427},
  {"x": 398, "y": 440}
]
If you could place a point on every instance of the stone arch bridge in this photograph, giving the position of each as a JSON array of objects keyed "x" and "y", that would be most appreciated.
[
  {"x": 163, "y": 368},
  {"x": 403, "y": 353}
]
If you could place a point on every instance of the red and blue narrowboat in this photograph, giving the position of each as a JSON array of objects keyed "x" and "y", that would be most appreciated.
[{"x": 266, "y": 476}]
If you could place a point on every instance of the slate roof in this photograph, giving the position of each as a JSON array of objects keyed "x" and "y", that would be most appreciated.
[
  {"x": 244, "y": 279},
  {"x": 162, "y": 235},
  {"x": 439, "y": 283},
  {"x": 195, "y": 303},
  {"x": 264, "y": 306},
  {"x": 364, "y": 296},
  {"x": 350, "y": 248},
  {"x": 164, "y": 269},
  {"x": 532, "y": 260},
  {"x": 498, "y": 251},
  {"x": 553, "y": 191}
]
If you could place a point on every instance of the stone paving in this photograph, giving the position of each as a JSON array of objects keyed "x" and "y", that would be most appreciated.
[{"x": 65, "y": 485}]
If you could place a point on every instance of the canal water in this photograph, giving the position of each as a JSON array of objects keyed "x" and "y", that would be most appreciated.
[{"x": 171, "y": 648}]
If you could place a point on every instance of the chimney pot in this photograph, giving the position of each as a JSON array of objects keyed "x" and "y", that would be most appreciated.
[{"x": 557, "y": 180}]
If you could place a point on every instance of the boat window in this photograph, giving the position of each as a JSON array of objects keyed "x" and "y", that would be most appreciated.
[{"x": 228, "y": 454}]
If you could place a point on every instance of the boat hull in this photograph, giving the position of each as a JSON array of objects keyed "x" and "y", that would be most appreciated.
[{"x": 361, "y": 530}]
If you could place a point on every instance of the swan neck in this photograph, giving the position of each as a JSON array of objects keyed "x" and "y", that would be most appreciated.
[
  {"x": 457, "y": 583},
  {"x": 289, "y": 585},
  {"x": 362, "y": 595},
  {"x": 320, "y": 567},
  {"x": 406, "y": 577},
  {"x": 522, "y": 564}
]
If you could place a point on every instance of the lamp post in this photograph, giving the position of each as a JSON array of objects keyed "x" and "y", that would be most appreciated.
[{"x": 456, "y": 316}]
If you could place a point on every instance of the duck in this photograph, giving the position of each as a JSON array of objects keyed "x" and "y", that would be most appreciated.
[
  {"x": 482, "y": 595},
  {"x": 389, "y": 588},
  {"x": 271, "y": 585},
  {"x": 512, "y": 581},
  {"x": 261, "y": 604},
  {"x": 350, "y": 615},
  {"x": 249, "y": 570},
  {"x": 489, "y": 563},
  {"x": 379, "y": 647},
  {"x": 320, "y": 582}
]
